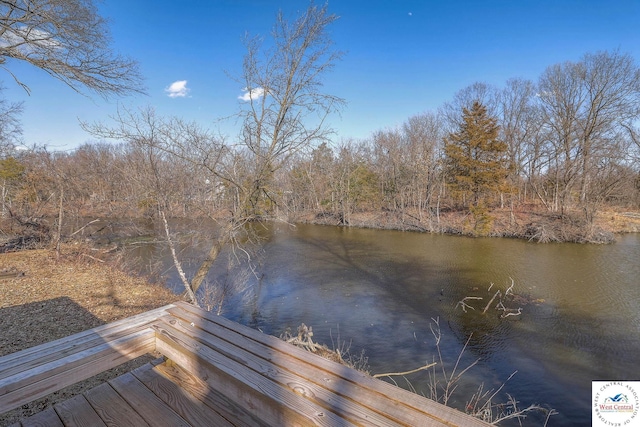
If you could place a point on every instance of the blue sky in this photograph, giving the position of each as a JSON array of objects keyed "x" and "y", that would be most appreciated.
[{"x": 401, "y": 57}]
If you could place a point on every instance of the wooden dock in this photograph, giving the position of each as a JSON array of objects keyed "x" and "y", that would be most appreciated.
[{"x": 214, "y": 373}]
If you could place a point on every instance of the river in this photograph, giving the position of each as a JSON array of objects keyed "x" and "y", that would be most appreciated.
[{"x": 382, "y": 292}]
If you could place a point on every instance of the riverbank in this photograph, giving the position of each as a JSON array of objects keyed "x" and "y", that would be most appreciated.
[
  {"x": 532, "y": 225},
  {"x": 49, "y": 298}
]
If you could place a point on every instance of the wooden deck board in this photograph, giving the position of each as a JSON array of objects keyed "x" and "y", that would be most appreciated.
[
  {"x": 215, "y": 398},
  {"x": 113, "y": 409},
  {"x": 78, "y": 412},
  {"x": 172, "y": 389},
  {"x": 149, "y": 406},
  {"x": 306, "y": 367},
  {"x": 46, "y": 418}
]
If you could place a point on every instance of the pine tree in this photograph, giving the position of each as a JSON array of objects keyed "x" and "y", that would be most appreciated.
[{"x": 476, "y": 160}]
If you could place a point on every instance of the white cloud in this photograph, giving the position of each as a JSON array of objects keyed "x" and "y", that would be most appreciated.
[
  {"x": 252, "y": 94},
  {"x": 28, "y": 40},
  {"x": 177, "y": 89}
]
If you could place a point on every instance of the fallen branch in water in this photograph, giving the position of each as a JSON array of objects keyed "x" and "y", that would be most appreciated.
[
  {"x": 511, "y": 312},
  {"x": 510, "y": 288},
  {"x": 340, "y": 354},
  {"x": 303, "y": 339},
  {"x": 398, "y": 374},
  {"x": 508, "y": 296},
  {"x": 491, "y": 302},
  {"x": 464, "y": 305}
]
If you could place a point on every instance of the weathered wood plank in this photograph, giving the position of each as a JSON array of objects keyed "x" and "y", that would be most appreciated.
[
  {"x": 26, "y": 359},
  {"x": 46, "y": 418},
  {"x": 146, "y": 403},
  {"x": 77, "y": 412},
  {"x": 174, "y": 391},
  {"x": 123, "y": 345},
  {"x": 113, "y": 409},
  {"x": 288, "y": 373},
  {"x": 253, "y": 392},
  {"x": 397, "y": 403},
  {"x": 30, "y": 385},
  {"x": 215, "y": 398},
  {"x": 86, "y": 344}
]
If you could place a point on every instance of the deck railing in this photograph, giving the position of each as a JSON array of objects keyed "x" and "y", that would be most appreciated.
[{"x": 229, "y": 371}]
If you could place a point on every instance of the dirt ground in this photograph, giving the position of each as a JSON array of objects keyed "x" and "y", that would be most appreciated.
[{"x": 43, "y": 298}]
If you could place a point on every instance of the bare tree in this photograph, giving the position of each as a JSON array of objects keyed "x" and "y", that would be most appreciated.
[
  {"x": 283, "y": 111},
  {"x": 10, "y": 126},
  {"x": 424, "y": 134},
  {"x": 519, "y": 125},
  {"x": 390, "y": 160},
  {"x": 356, "y": 186},
  {"x": 286, "y": 110},
  {"x": 480, "y": 92},
  {"x": 309, "y": 180},
  {"x": 612, "y": 85},
  {"x": 11, "y": 173},
  {"x": 517, "y": 120},
  {"x": 69, "y": 40},
  {"x": 586, "y": 106}
]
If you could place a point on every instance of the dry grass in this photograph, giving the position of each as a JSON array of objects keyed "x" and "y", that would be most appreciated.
[
  {"x": 59, "y": 297},
  {"x": 620, "y": 221},
  {"x": 528, "y": 222}
]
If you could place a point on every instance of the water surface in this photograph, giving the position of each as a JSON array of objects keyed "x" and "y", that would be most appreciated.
[{"x": 381, "y": 291}]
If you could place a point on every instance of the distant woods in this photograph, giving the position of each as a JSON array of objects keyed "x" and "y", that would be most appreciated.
[{"x": 563, "y": 148}]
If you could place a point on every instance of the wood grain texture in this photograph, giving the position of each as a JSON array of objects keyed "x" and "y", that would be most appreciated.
[
  {"x": 26, "y": 359},
  {"x": 77, "y": 412},
  {"x": 46, "y": 418},
  {"x": 38, "y": 382},
  {"x": 149, "y": 406},
  {"x": 173, "y": 389},
  {"x": 113, "y": 409},
  {"x": 215, "y": 398},
  {"x": 253, "y": 392},
  {"x": 35, "y": 372},
  {"x": 289, "y": 373}
]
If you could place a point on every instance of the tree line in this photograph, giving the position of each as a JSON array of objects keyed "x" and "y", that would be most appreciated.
[
  {"x": 566, "y": 145},
  {"x": 563, "y": 147}
]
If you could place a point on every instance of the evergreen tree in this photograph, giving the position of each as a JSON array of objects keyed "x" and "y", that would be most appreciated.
[{"x": 476, "y": 160}]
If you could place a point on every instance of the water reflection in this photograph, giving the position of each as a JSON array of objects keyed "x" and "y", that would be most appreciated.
[{"x": 380, "y": 290}]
